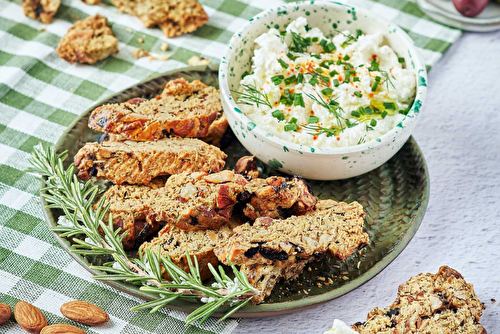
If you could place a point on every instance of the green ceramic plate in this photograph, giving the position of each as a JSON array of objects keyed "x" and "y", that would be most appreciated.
[{"x": 394, "y": 196}]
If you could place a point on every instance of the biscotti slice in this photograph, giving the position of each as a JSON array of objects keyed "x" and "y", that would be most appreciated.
[
  {"x": 190, "y": 113},
  {"x": 175, "y": 242},
  {"x": 333, "y": 229},
  {"x": 88, "y": 41},
  {"x": 188, "y": 201},
  {"x": 276, "y": 197},
  {"x": 175, "y": 17},
  {"x": 138, "y": 162},
  {"x": 42, "y": 10},
  {"x": 441, "y": 303}
]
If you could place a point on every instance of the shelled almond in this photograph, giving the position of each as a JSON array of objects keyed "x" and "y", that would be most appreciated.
[
  {"x": 29, "y": 317},
  {"x": 84, "y": 313},
  {"x": 5, "y": 313},
  {"x": 62, "y": 329}
]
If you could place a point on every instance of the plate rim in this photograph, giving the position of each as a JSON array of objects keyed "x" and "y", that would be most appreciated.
[{"x": 253, "y": 311}]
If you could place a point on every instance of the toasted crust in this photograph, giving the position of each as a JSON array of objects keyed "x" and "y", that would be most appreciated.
[
  {"x": 88, "y": 41},
  {"x": 429, "y": 303},
  {"x": 138, "y": 162},
  {"x": 333, "y": 229},
  {"x": 187, "y": 113},
  {"x": 216, "y": 130},
  {"x": 175, "y": 17},
  {"x": 175, "y": 242},
  {"x": 42, "y": 10}
]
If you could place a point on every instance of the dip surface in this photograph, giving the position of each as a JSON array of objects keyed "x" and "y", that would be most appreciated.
[{"x": 325, "y": 92}]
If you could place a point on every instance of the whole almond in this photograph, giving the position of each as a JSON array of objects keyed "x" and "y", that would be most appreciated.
[
  {"x": 30, "y": 318},
  {"x": 84, "y": 313},
  {"x": 61, "y": 329},
  {"x": 5, "y": 313}
]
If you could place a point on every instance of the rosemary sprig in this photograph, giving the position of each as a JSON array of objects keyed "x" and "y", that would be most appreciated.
[
  {"x": 252, "y": 95},
  {"x": 63, "y": 191}
]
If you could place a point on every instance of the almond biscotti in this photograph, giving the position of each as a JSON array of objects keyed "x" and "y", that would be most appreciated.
[
  {"x": 138, "y": 162},
  {"x": 333, "y": 229},
  {"x": 441, "y": 303},
  {"x": 199, "y": 201},
  {"x": 175, "y": 242},
  {"x": 188, "y": 113},
  {"x": 88, "y": 41},
  {"x": 174, "y": 17},
  {"x": 42, "y": 10}
]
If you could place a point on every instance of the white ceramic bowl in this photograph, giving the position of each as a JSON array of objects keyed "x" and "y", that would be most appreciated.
[{"x": 317, "y": 163}]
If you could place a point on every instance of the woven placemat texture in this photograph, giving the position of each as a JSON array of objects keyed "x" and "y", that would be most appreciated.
[{"x": 41, "y": 94}]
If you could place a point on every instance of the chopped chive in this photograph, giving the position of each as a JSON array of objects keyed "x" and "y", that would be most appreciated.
[
  {"x": 373, "y": 122},
  {"x": 374, "y": 66},
  {"x": 368, "y": 110},
  {"x": 401, "y": 60},
  {"x": 327, "y": 91},
  {"x": 356, "y": 113},
  {"x": 283, "y": 33},
  {"x": 375, "y": 84},
  {"x": 358, "y": 33},
  {"x": 282, "y": 63},
  {"x": 384, "y": 114},
  {"x": 405, "y": 111},
  {"x": 277, "y": 79},
  {"x": 319, "y": 70},
  {"x": 324, "y": 64},
  {"x": 300, "y": 78},
  {"x": 390, "y": 105},
  {"x": 278, "y": 114},
  {"x": 336, "y": 83},
  {"x": 333, "y": 73},
  {"x": 298, "y": 100},
  {"x": 245, "y": 74},
  {"x": 333, "y": 103},
  {"x": 329, "y": 47},
  {"x": 291, "y": 56},
  {"x": 316, "y": 56},
  {"x": 291, "y": 127},
  {"x": 312, "y": 119},
  {"x": 315, "y": 39},
  {"x": 290, "y": 80},
  {"x": 346, "y": 57},
  {"x": 339, "y": 62},
  {"x": 323, "y": 42},
  {"x": 313, "y": 81},
  {"x": 358, "y": 94},
  {"x": 355, "y": 79}
]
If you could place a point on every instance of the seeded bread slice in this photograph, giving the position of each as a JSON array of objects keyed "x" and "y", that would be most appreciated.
[
  {"x": 138, "y": 162},
  {"x": 333, "y": 229},
  {"x": 42, "y": 10},
  {"x": 441, "y": 303},
  {"x": 88, "y": 41},
  {"x": 175, "y": 17},
  {"x": 188, "y": 113},
  {"x": 175, "y": 242}
]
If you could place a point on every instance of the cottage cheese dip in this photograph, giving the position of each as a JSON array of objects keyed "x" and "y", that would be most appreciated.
[{"x": 325, "y": 92}]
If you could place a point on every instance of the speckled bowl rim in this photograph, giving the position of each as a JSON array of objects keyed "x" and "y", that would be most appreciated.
[{"x": 393, "y": 134}]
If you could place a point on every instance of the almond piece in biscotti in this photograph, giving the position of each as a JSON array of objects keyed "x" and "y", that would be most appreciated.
[
  {"x": 84, "y": 313},
  {"x": 29, "y": 317}
]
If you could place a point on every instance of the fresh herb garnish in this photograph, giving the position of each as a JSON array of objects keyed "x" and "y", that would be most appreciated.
[
  {"x": 376, "y": 83},
  {"x": 282, "y": 63},
  {"x": 349, "y": 38},
  {"x": 299, "y": 43},
  {"x": 278, "y": 114},
  {"x": 319, "y": 130},
  {"x": 290, "y": 79},
  {"x": 245, "y": 74},
  {"x": 300, "y": 78},
  {"x": 389, "y": 105},
  {"x": 336, "y": 83},
  {"x": 358, "y": 94},
  {"x": 292, "y": 125},
  {"x": 277, "y": 79},
  {"x": 327, "y": 91},
  {"x": 333, "y": 108},
  {"x": 329, "y": 47},
  {"x": 312, "y": 119},
  {"x": 251, "y": 95},
  {"x": 298, "y": 100}
]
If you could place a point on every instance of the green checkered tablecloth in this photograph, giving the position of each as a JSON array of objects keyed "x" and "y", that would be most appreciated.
[{"x": 40, "y": 95}]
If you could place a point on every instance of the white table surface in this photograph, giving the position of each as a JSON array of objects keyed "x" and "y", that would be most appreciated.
[{"x": 459, "y": 133}]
